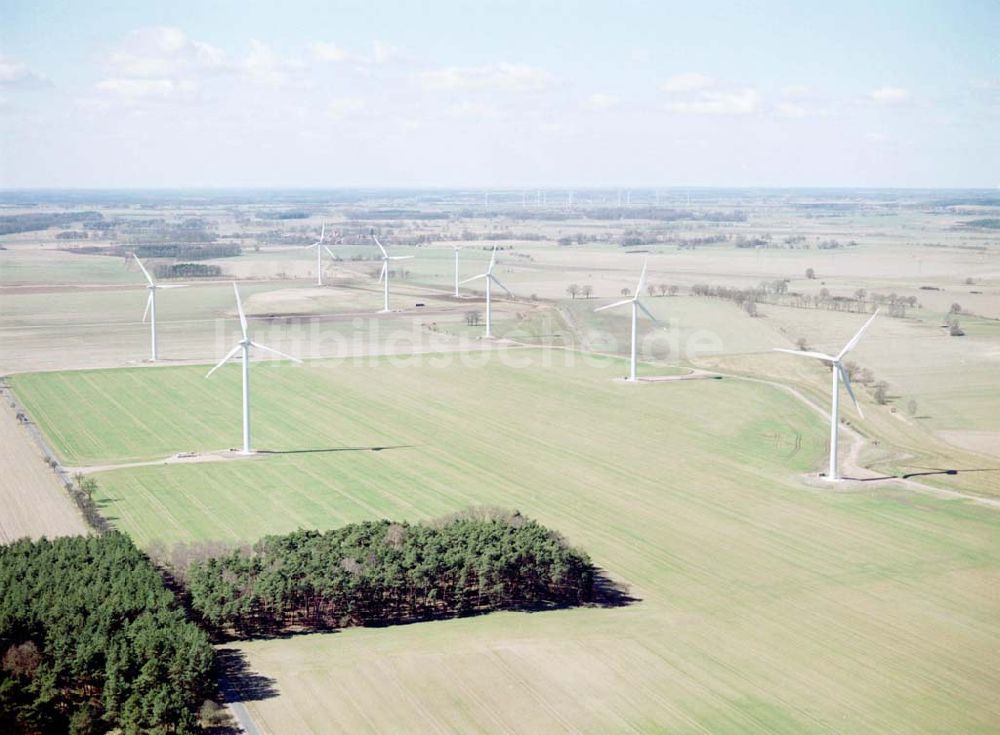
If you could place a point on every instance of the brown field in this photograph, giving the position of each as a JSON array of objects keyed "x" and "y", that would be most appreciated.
[{"x": 32, "y": 501}]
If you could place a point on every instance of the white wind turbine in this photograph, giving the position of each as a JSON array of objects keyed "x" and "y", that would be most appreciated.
[
  {"x": 320, "y": 246},
  {"x": 244, "y": 345},
  {"x": 384, "y": 275},
  {"x": 456, "y": 248},
  {"x": 636, "y": 305},
  {"x": 490, "y": 279},
  {"x": 839, "y": 375},
  {"x": 152, "y": 286}
]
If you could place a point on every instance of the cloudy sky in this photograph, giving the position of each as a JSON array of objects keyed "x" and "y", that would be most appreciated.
[{"x": 492, "y": 93}]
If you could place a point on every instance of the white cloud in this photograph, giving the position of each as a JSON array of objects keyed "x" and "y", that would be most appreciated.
[
  {"x": 263, "y": 64},
  {"x": 16, "y": 74},
  {"x": 342, "y": 107},
  {"x": 791, "y": 109},
  {"x": 149, "y": 89},
  {"x": 795, "y": 91},
  {"x": 688, "y": 82},
  {"x": 600, "y": 101},
  {"x": 470, "y": 108},
  {"x": 493, "y": 77},
  {"x": 161, "y": 51},
  {"x": 718, "y": 102},
  {"x": 889, "y": 95},
  {"x": 383, "y": 53},
  {"x": 328, "y": 52}
]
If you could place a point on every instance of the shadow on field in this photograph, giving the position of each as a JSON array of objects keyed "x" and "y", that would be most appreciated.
[
  {"x": 937, "y": 471},
  {"x": 238, "y": 682},
  {"x": 334, "y": 449},
  {"x": 609, "y": 593}
]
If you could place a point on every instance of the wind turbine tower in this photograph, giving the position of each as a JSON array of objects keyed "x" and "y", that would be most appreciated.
[
  {"x": 152, "y": 286},
  {"x": 320, "y": 246},
  {"x": 384, "y": 275},
  {"x": 490, "y": 279},
  {"x": 840, "y": 375},
  {"x": 636, "y": 305},
  {"x": 244, "y": 346}
]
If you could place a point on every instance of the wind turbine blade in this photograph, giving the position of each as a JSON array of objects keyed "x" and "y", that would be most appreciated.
[
  {"x": 854, "y": 340},
  {"x": 847, "y": 384},
  {"x": 239, "y": 306},
  {"x": 474, "y": 278},
  {"x": 402, "y": 257},
  {"x": 225, "y": 359},
  {"x": 149, "y": 302},
  {"x": 384, "y": 253},
  {"x": 172, "y": 285},
  {"x": 381, "y": 275},
  {"x": 332, "y": 255},
  {"x": 807, "y": 353},
  {"x": 642, "y": 278},
  {"x": 497, "y": 282},
  {"x": 144, "y": 271},
  {"x": 493, "y": 259},
  {"x": 647, "y": 312},
  {"x": 274, "y": 351},
  {"x": 612, "y": 306},
  {"x": 322, "y": 232}
]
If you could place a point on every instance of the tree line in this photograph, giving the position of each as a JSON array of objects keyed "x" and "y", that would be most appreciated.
[
  {"x": 379, "y": 573},
  {"x": 91, "y": 640}
]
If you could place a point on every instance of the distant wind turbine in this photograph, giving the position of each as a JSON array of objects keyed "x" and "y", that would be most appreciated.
[
  {"x": 490, "y": 279},
  {"x": 384, "y": 275},
  {"x": 636, "y": 305},
  {"x": 152, "y": 286},
  {"x": 244, "y": 345},
  {"x": 456, "y": 248},
  {"x": 839, "y": 375},
  {"x": 320, "y": 246}
]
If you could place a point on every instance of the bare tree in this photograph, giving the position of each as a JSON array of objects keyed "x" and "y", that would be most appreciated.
[
  {"x": 587, "y": 291},
  {"x": 881, "y": 393},
  {"x": 674, "y": 290},
  {"x": 472, "y": 318},
  {"x": 573, "y": 289},
  {"x": 810, "y": 273},
  {"x": 626, "y": 291}
]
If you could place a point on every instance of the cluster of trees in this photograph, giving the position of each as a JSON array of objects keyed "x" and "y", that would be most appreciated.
[
  {"x": 72, "y": 235},
  {"x": 187, "y": 270},
  {"x": 14, "y": 223},
  {"x": 776, "y": 292},
  {"x": 181, "y": 251},
  {"x": 91, "y": 640},
  {"x": 377, "y": 573},
  {"x": 283, "y": 214}
]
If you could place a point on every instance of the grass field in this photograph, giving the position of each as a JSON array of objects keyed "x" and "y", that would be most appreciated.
[{"x": 765, "y": 606}]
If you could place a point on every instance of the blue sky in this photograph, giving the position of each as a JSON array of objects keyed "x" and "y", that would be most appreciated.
[{"x": 499, "y": 94}]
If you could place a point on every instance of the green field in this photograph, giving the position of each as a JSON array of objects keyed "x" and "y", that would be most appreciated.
[{"x": 765, "y": 605}]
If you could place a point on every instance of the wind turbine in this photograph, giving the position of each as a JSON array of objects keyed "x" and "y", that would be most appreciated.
[
  {"x": 839, "y": 375},
  {"x": 636, "y": 305},
  {"x": 456, "y": 248},
  {"x": 152, "y": 286},
  {"x": 384, "y": 275},
  {"x": 244, "y": 345},
  {"x": 490, "y": 279},
  {"x": 319, "y": 255}
]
